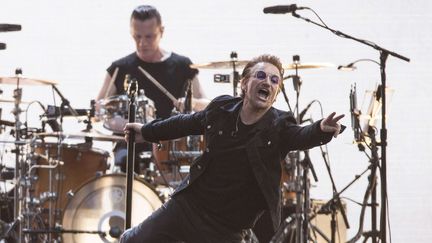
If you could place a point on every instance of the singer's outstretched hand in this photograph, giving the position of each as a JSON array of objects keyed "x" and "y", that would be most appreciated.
[
  {"x": 135, "y": 128},
  {"x": 331, "y": 124}
]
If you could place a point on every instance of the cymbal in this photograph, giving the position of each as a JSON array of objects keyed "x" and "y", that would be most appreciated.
[
  {"x": 25, "y": 81},
  {"x": 307, "y": 65},
  {"x": 83, "y": 134},
  {"x": 221, "y": 65},
  {"x": 242, "y": 63},
  {"x": 12, "y": 101}
]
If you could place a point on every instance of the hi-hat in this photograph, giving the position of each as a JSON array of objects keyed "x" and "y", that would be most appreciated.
[
  {"x": 307, "y": 65},
  {"x": 221, "y": 65},
  {"x": 83, "y": 134},
  {"x": 25, "y": 81}
]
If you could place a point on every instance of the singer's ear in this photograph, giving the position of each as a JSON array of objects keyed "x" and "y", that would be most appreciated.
[{"x": 162, "y": 29}]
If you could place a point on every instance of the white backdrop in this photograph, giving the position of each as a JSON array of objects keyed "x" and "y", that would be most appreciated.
[{"x": 73, "y": 42}]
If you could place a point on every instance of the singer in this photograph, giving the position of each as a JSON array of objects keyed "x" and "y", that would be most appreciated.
[{"x": 238, "y": 176}]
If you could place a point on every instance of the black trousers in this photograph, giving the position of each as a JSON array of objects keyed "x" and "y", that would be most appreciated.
[{"x": 180, "y": 221}]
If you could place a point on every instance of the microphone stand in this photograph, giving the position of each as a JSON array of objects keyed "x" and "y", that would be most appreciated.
[
  {"x": 65, "y": 103},
  {"x": 384, "y": 53},
  {"x": 130, "y": 165}
]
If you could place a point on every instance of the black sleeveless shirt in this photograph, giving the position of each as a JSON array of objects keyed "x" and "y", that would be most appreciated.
[{"x": 172, "y": 73}]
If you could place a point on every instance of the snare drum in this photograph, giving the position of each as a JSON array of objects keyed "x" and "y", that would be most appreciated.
[
  {"x": 113, "y": 111},
  {"x": 80, "y": 163},
  {"x": 99, "y": 205}
]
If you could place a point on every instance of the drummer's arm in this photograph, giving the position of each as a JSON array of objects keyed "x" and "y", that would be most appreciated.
[
  {"x": 103, "y": 94},
  {"x": 106, "y": 84},
  {"x": 199, "y": 101}
]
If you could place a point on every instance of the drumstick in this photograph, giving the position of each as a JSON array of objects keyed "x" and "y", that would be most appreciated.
[
  {"x": 166, "y": 92},
  {"x": 113, "y": 78}
]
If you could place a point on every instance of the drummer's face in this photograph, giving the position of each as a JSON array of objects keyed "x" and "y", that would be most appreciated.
[{"x": 147, "y": 35}]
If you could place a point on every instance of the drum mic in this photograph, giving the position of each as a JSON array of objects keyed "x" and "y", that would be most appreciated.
[{"x": 282, "y": 9}]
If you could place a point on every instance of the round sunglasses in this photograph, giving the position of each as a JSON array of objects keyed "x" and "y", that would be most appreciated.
[{"x": 261, "y": 75}]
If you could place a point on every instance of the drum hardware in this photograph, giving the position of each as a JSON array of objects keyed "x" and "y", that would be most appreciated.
[{"x": 185, "y": 154}]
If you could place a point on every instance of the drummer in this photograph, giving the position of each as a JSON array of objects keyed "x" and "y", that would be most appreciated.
[{"x": 170, "y": 69}]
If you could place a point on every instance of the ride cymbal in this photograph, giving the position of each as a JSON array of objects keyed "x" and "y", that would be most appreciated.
[{"x": 25, "y": 81}]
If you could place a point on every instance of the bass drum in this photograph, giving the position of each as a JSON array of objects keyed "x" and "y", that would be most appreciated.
[{"x": 100, "y": 205}]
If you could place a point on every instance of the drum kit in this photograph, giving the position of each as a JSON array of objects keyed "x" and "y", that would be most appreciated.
[
  {"x": 68, "y": 192},
  {"x": 55, "y": 180}
]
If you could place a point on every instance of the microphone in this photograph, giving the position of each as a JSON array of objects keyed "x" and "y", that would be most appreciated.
[
  {"x": 301, "y": 115},
  {"x": 355, "y": 123},
  {"x": 349, "y": 67},
  {"x": 9, "y": 27},
  {"x": 282, "y": 9}
]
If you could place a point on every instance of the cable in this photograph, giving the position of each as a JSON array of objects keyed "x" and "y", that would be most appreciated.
[{"x": 317, "y": 16}]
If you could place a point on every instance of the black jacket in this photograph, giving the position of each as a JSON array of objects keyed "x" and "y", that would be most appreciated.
[{"x": 276, "y": 133}]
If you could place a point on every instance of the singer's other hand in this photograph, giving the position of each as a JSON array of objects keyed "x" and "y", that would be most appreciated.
[
  {"x": 135, "y": 128},
  {"x": 331, "y": 124}
]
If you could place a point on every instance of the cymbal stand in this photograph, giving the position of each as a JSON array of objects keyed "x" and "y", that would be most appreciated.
[
  {"x": 17, "y": 95},
  {"x": 236, "y": 75},
  {"x": 302, "y": 179}
]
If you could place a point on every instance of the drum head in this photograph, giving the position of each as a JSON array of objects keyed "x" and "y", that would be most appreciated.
[{"x": 100, "y": 205}]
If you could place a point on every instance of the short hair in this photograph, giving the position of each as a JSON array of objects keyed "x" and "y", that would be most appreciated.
[
  {"x": 274, "y": 60},
  {"x": 145, "y": 12}
]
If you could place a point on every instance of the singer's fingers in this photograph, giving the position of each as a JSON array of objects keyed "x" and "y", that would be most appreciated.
[
  {"x": 330, "y": 117},
  {"x": 337, "y": 118}
]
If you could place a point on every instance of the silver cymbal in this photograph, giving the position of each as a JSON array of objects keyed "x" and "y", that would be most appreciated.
[
  {"x": 12, "y": 101},
  {"x": 242, "y": 63},
  {"x": 25, "y": 81},
  {"x": 221, "y": 65},
  {"x": 83, "y": 134},
  {"x": 307, "y": 65}
]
